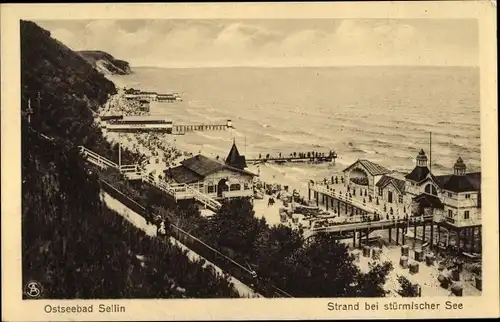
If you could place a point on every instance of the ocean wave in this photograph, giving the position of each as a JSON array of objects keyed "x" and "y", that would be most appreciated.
[
  {"x": 297, "y": 139},
  {"x": 460, "y": 148},
  {"x": 205, "y": 117},
  {"x": 381, "y": 143},
  {"x": 205, "y": 135},
  {"x": 380, "y": 125}
]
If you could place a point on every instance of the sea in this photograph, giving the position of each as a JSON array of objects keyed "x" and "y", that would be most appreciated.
[{"x": 383, "y": 114}]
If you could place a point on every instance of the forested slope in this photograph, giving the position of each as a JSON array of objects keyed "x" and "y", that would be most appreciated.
[{"x": 71, "y": 243}]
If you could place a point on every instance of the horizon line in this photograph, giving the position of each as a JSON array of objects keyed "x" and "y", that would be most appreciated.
[{"x": 305, "y": 66}]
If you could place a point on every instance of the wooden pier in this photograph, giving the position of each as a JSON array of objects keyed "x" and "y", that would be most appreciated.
[
  {"x": 347, "y": 206},
  {"x": 330, "y": 157},
  {"x": 180, "y": 129}
]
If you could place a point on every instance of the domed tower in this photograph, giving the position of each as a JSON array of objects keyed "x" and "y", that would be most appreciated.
[
  {"x": 421, "y": 159},
  {"x": 459, "y": 169},
  {"x": 421, "y": 170}
]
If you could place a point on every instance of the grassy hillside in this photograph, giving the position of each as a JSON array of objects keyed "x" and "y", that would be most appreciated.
[
  {"x": 105, "y": 62},
  {"x": 72, "y": 244}
]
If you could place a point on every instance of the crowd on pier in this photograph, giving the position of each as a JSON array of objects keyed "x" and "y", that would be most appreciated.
[{"x": 300, "y": 155}]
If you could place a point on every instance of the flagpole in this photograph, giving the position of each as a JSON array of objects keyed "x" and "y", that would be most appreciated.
[{"x": 430, "y": 152}]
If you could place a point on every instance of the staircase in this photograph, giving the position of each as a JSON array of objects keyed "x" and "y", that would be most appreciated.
[
  {"x": 208, "y": 202},
  {"x": 134, "y": 172},
  {"x": 131, "y": 172},
  {"x": 96, "y": 159}
]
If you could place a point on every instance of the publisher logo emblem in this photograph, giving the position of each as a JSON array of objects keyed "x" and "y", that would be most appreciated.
[{"x": 33, "y": 289}]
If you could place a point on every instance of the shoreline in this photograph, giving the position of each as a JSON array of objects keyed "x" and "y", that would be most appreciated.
[{"x": 295, "y": 176}]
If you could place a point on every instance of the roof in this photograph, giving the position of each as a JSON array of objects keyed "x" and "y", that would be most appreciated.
[
  {"x": 456, "y": 183},
  {"x": 235, "y": 159},
  {"x": 182, "y": 175},
  {"x": 428, "y": 201},
  {"x": 387, "y": 179},
  {"x": 200, "y": 166},
  {"x": 372, "y": 168},
  {"x": 418, "y": 174}
]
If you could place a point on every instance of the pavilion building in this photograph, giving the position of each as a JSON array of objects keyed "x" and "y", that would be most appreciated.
[{"x": 213, "y": 177}]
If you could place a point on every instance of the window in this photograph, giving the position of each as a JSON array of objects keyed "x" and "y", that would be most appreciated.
[
  {"x": 466, "y": 214},
  {"x": 400, "y": 199},
  {"x": 211, "y": 189},
  {"x": 380, "y": 192},
  {"x": 450, "y": 213},
  {"x": 430, "y": 189},
  {"x": 234, "y": 187},
  {"x": 467, "y": 196}
]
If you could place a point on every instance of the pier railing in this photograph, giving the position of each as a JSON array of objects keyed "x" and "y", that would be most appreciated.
[
  {"x": 184, "y": 128},
  {"x": 346, "y": 227},
  {"x": 322, "y": 189},
  {"x": 326, "y": 158}
]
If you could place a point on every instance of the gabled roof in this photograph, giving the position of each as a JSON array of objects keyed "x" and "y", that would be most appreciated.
[
  {"x": 202, "y": 165},
  {"x": 387, "y": 179},
  {"x": 182, "y": 175},
  {"x": 372, "y": 168},
  {"x": 428, "y": 201},
  {"x": 235, "y": 159},
  {"x": 198, "y": 167},
  {"x": 465, "y": 183}
]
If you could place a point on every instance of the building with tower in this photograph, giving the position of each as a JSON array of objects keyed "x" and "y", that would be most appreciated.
[
  {"x": 213, "y": 177},
  {"x": 453, "y": 200}
]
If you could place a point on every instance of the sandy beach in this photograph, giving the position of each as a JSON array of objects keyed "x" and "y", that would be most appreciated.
[{"x": 163, "y": 151}]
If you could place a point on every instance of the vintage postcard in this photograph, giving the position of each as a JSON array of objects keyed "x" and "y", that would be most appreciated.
[{"x": 249, "y": 161}]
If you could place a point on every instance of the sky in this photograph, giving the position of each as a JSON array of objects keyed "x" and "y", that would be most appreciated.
[{"x": 181, "y": 43}]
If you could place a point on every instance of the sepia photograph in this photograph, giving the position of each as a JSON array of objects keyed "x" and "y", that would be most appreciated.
[{"x": 251, "y": 158}]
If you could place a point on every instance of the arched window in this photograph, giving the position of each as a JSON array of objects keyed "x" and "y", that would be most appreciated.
[{"x": 430, "y": 189}]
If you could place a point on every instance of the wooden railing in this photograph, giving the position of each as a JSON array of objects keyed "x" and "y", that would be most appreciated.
[
  {"x": 204, "y": 199},
  {"x": 134, "y": 172},
  {"x": 366, "y": 225},
  {"x": 96, "y": 159},
  {"x": 322, "y": 189}
]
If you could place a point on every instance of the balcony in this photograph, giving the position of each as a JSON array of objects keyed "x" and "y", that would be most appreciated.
[{"x": 450, "y": 220}]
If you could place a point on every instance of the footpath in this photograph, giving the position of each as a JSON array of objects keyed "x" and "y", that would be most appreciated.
[{"x": 151, "y": 230}]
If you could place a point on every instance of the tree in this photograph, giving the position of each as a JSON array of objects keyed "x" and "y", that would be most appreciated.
[
  {"x": 372, "y": 283},
  {"x": 324, "y": 269},
  {"x": 235, "y": 227},
  {"x": 272, "y": 246},
  {"x": 406, "y": 288}
]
